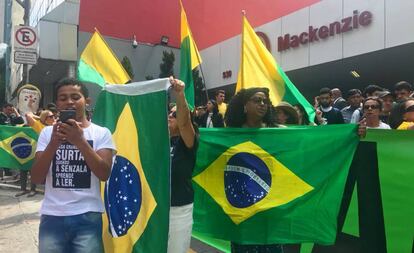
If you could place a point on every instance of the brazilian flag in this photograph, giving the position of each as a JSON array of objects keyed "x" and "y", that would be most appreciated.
[
  {"x": 17, "y": 147},
  {"x": 261, "y": 186},
  {"x": 136, "y": 196}
]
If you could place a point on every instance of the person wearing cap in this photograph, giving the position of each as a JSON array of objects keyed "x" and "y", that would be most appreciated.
[
  {"x": 285, "y": 114},
  {"x": 354, "y": 100},
  {"x": 387, "y": 104}
]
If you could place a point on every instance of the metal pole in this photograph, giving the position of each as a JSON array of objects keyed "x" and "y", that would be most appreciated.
[
  {"x": 7, "y": 40},
  {"x": 26, "y": 19}
]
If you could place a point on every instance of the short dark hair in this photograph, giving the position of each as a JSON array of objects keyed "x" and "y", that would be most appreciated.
[
  {"x": 403, "y": 85},
  {"x": 376, "y": 99},
  {"x": 353, "y": 92},
  {"x": 73, "y": 82},
  {"x": 220, "y": 91},
  {"x": 7, "y": 105},
  {"x": 325, "y": 91},
  {"x": 371, "y": 89}
]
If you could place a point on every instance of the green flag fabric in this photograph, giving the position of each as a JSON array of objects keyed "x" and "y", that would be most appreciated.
[
  {"x": 17, "y": 147},
  {"x": 275, "y": 185},
  {"x": 394, "y": 174},
  {"x": 137, "y": 195}
]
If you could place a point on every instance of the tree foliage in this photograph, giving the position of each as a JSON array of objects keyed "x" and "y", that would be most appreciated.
[
  {"x": 126, "y": 63},
  {"x": 167, "y": 65}
]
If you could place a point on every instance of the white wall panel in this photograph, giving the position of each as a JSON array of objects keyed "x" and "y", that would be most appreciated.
[
  {"x": 229, "y": 59},
  {"x": 369, "y": 38},
  {"x": 399, "y": 26},
  {"x": 294, "y": 24},
  {"x": 272, "y": 30},
  {"x": 211, "y": 66},
  {"x": 68, "y": 35},
  {"x": 329, "y": 49},
  {"x": 49, "y": 40}
]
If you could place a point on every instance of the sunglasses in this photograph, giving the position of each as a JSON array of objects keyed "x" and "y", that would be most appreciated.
[
  {"x": 373, "y": 107},
  {"x": 172, "y": 114},
  {"x": 410, "y": 109},
  {"x": 259, "y": 100}
]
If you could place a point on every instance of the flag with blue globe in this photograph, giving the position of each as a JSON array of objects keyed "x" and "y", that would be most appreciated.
[
  {"x": 137, "y": 195},
  {"x": 264, "y": 186},
  {"x": 17, "y": 147}
]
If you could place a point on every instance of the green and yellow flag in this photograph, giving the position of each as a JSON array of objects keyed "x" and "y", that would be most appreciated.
[
  {"x": 189, "y": 58},
  {"x": 137, "y": 195},
  {"x": 258, "y": 68},
  {"x": 17, "y": 147},
  {"x": 98, "y": 64},
  {"x": 261, "y": 186}
]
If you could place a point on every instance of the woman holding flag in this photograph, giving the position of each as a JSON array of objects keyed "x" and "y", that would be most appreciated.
[
  {"x": 183, "y": 149},
  {"x": 251, "y": 108}
]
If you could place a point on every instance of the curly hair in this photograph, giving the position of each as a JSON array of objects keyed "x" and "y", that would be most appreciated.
[{"x": 235, "y": 115}]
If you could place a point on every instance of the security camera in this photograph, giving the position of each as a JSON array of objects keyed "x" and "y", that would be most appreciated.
[{"x": 134, "y": 42}]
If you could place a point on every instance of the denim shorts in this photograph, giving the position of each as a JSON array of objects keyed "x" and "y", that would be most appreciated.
[{"x": 71, "y": 234}]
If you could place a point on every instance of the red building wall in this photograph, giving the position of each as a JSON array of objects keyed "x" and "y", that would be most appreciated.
[{"x": 211, "y": 21}]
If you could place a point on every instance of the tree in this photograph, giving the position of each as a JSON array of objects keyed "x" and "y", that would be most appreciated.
[
  {"x": 166, "y": 67},
  {"x": 126, "y": 63},
  {"x": 200, "y": 95}
]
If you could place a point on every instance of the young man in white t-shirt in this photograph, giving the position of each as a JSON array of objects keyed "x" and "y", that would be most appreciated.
[{"x": 72, "y": 158}]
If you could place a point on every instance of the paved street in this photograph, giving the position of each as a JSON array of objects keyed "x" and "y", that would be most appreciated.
[{"x": 19, "y": 223}]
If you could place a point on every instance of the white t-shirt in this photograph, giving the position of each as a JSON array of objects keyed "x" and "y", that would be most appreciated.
[
  {"x": 382, "y": 125},
  {"x": 71, "y": 188}
]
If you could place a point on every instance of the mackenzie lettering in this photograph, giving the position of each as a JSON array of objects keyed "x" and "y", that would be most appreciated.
[{"x": 314, "y": 34}]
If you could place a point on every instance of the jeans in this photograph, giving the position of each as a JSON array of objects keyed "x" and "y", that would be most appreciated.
[{"x": 71, "y": 234}]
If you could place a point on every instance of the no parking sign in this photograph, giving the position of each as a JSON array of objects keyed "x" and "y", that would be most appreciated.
[{"x": 26, "y": 43}]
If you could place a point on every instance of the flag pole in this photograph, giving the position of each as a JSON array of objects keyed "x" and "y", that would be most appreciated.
[{"x": 242, "y": 51}]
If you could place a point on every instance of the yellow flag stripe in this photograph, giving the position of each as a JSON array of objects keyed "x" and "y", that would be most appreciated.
[
  {"x": 258, "y": 67},
  {"x": 186, "y": 32},
  {"x": 286, "y": 186},
  {"x": 126, "y": 141},
  {"x": 99, "y": 56}
]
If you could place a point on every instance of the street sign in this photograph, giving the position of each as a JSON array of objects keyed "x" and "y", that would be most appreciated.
[
  {"x": 25, "y": 38},
  {"x": 25, "y": 57},
  {"x": 26, "y": 44}
]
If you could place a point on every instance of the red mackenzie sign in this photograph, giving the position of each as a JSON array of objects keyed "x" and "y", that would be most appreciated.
[{"x": 315, "y": 34}]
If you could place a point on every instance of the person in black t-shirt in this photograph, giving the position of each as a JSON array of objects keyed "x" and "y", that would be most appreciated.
[
  {"x": 325, "y": 113},
  {"x": 184, "y": 143}
]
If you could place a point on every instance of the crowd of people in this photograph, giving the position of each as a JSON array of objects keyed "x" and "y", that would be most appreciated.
[{"x": 77, "y": 213}]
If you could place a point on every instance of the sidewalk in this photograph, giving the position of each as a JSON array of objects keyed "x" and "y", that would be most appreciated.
[{"x": 19, "y": 223}]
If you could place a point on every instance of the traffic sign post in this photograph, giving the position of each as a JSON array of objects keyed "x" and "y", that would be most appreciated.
[{"x": 25, "y": 45}]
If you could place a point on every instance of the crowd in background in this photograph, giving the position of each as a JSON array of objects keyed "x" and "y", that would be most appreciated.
[{"x": 375, "y": 106}]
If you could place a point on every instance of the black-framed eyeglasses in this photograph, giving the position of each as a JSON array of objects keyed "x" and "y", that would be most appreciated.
[
  {"x": 410, "y": 109},
  {"x": 259, "y": 100},
  {"x": 373, "y": 107}
]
